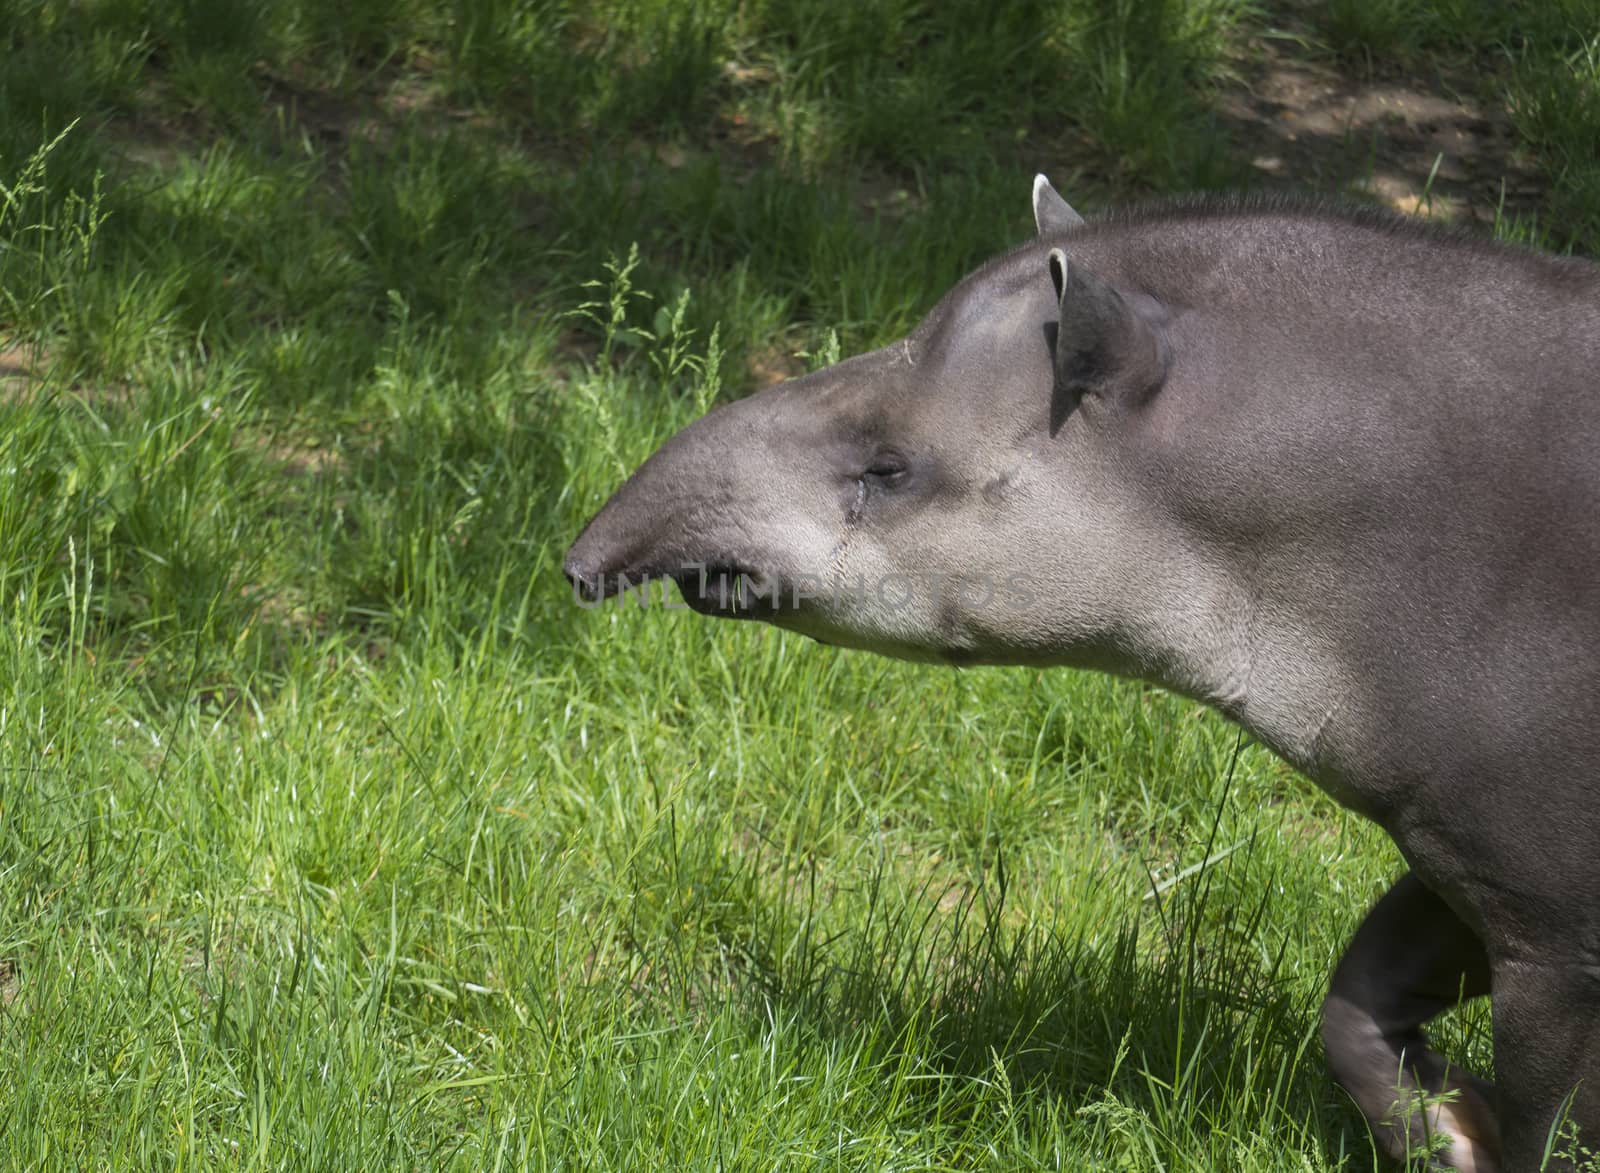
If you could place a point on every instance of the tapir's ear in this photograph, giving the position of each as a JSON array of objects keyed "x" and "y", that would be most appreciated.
[
  {"x": 1104, "y": 346},
  {"x": 1051, "y": 213}
]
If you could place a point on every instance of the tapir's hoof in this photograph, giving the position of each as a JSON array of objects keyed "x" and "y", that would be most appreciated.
[{"x": 1470, "y": 1123}]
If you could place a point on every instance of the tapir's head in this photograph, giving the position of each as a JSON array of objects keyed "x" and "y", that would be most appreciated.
[{"x": 960, "y": 494}]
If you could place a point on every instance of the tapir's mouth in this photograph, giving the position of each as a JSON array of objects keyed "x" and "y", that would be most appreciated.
[
  {"x": 724, "y": 588},
  {"x": 729, "y": 590}
]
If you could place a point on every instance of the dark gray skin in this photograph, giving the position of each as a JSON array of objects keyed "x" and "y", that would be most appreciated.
[{"x": 1332, "y": 473}]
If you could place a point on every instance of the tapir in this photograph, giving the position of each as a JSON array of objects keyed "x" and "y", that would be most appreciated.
[{"x": 1333, "y": 472}]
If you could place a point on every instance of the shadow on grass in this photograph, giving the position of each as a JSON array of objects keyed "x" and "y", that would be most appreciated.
[
  {"x": 1184, "y": 1032},
  {"x": 1194, "y": 1030},
  {"x": 830, "y": 164}
]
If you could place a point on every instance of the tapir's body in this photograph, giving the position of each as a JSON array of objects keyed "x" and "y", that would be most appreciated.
[{"x": 1333, "y": 473}]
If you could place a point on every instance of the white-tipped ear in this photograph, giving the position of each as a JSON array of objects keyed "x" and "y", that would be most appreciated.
[
  {"x": 1051, "y": 213},
  {"x": 1103, "y": 345}
]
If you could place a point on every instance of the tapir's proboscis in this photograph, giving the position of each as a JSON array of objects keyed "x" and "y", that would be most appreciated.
[{"x": 1333, "y": 472}]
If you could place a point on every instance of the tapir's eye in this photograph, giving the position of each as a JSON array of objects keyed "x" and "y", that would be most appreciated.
[{"x": 886, "y": 468}]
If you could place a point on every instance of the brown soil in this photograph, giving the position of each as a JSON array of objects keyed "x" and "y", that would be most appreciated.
[
  {"x": 19, "y": 364},
  {"x": 1424, "y": 145}
]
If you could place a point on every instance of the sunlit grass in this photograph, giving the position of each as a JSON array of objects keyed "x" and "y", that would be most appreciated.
[{"x": 336, "y": 834}]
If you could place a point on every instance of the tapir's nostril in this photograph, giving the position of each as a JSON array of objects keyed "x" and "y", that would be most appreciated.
[{"x": 588, "y": 584}]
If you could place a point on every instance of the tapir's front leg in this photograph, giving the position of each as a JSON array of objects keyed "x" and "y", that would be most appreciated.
[
  {"x": 1411, "y": 959},
  {"x": 1547, "y": 1049}
]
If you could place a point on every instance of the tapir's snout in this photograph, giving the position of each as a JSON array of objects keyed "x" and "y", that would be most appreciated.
[
  {"x": 597, "y": 568},
  {"x": 603, "y": 562},
  {"x": 655, "y": 521},
  {"x": 629, "y": 542},
  {"x": 589, "y": 584},
  {"x": 690, "y": 514}
]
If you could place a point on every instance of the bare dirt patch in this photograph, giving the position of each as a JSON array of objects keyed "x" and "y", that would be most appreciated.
[
  {"x": 768, "y": 366},
  {"x": 19, "y": 371},
  {"x": 1423, "y": 145}
]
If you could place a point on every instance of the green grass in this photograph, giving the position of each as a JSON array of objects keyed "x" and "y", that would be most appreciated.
[{"x": 335, "y": 834}]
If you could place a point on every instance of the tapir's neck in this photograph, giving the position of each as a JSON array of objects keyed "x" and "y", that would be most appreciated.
[{"x": 1204, "y": 630}]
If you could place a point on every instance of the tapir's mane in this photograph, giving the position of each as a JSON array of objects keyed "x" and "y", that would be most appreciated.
[
  {"x": 1263, "y": 208},
  {"x": 1261, "y": 211},
  {"x": 1272, "y": 206}
]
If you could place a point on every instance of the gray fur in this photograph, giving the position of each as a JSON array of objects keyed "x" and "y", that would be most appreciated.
[{"x": 1334, "y": 474}]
